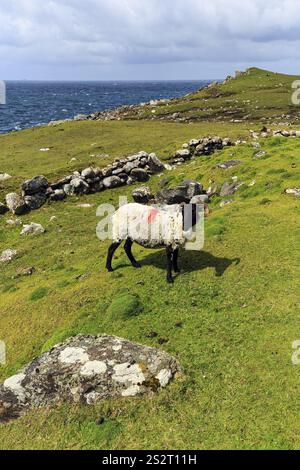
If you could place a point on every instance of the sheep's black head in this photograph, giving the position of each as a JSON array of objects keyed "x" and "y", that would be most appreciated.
[{"x": 192, "y": 214}]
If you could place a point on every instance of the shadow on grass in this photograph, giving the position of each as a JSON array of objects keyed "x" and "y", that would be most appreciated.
[{"x": 190, "y": 261}]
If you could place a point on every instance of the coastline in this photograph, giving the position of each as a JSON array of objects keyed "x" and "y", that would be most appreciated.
[{"x": 74, "y": 98}]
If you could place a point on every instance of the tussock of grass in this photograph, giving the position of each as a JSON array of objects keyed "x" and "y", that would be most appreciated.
[
  {"x": 39, "y": 294},
  {"x": 124, "y": 306}
]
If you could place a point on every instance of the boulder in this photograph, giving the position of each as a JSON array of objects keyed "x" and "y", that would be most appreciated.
[
  {"x": 58, "y": 195},
  {"x": 107, "y": 171},
  {"x": 123, "y": 176},
  {"x": 182, "y": 194},
  {"x": 143, "y": 154},
  {"x": 4, "y": 177},
  {"x": 80, "y": 117},
  {"x": 14, "y": 222},
  {"x": 139, "y": 174},
  {"x": 193, "y": 188},
  {"x": 8, "y": 255},
  {"x": 3, "y": 208},
  {"x": 37, "y": 184},
  {"x": 226, "y": 142},
  {"x": 61, "y": 183},
  {"x": 33, "y": 229},
  {"x": 86, "y": 370},
  {"x": 16, "y": 204},
  {"x": 112, "y": 182},
  {"x": 194, "y": 142},
  {"x": 97, "y": 187},
  {"x": 142, "y": 195},
  {"x": 183, "y": 153},
  {"x": 155, "y": 165},
  {"x": 130, "y": 166},
  {"x": 35, "y": 201},
  {"x": 68, "y": 189},
  {"x": 229, "y": 164},
  {"x": 23, "y": 272},
  {"x": 293, "y": 192},
  {"x": 228, "y": 189},
  {"x": 88, "y": 173},
  {"x": 78, "y": 186}
]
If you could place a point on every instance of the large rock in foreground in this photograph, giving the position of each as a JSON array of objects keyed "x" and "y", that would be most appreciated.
[{"x": 86, "y": 369}]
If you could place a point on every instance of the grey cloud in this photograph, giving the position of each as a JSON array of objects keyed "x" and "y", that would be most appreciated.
[{"x": 114, "y": 32}]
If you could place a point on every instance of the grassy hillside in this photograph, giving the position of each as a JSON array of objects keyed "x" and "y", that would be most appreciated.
[
  {"x": 254, "y": 96},
  {"x": 230, "y": 318}
]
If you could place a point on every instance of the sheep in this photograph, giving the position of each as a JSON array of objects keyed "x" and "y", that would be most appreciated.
[{"x": 170, "y": 227}]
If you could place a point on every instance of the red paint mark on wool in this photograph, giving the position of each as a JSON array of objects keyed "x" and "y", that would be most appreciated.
[{"x": 152, "y": 216}]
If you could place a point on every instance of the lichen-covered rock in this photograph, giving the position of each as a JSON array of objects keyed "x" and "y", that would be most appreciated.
[
  {"x": 4, "y": 176},
  {"x": 58, "y": 195},
  {"x": 139, "y": 174},
  {"x": 8, "y": 255},
  {"x": 35, "y": 201},
  {"x": 112, "y": 182},
  {"x": 293, "y": 191},
  {"x": 37, "y": 184},
  {"x": 89, "y": 173},
  {"x": 16, "y": 204},
  {"x": 33, "y": 229},
  {"x": 155, "y": 164},
  {"x": 86, "y": 369},
  {"x": 78, "y": 186},
  {"x": 131, "y": 165},
  {"x": 183, "y": 153},
  {"x": 142, "y": 195},
  {"x": 61, "y": 183},
  {"x": 14, "y": 222}
]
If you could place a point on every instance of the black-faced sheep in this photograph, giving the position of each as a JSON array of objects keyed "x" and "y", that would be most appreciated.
[{"x": 155, "y": 227}]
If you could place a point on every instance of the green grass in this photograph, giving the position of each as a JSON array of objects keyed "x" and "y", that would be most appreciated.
[
  {"x": 230, "y": 319},
  {"x": 231, "y": 316},
  {"x": 95, "y": 143},
  {"x": 256, "y": 96}
]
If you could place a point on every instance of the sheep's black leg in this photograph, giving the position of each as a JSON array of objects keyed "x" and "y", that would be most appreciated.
[
  {"x": 169, "y": 250},
  {"x": 175, "y": 261},
  {"x": 128, "y": 247},
  {"x": 111, "y": 251}
]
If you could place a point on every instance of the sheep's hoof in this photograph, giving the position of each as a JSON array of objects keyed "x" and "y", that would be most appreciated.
[
  {"x": 137, "y": 266},
  {"x": 110, "y": 270},
  {"x": 170, "y": 280}
]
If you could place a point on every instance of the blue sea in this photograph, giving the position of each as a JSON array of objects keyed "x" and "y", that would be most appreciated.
[{"x": 31, "y": 104}]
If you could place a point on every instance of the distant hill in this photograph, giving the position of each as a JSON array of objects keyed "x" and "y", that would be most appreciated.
[{"x": 253, "y": 95}]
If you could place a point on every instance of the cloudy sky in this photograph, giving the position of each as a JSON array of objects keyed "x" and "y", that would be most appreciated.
[{"x": 146, "y": 39}]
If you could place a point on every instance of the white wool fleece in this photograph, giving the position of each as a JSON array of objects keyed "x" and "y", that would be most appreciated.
[{"x": 149, "y": 226}]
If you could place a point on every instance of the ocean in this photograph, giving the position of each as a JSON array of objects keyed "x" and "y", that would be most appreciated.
[{"x": 31, "y": 104}]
